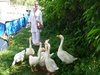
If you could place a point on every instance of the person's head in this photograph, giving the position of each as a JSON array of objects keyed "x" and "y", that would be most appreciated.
[{"x": 36, "y": 4}]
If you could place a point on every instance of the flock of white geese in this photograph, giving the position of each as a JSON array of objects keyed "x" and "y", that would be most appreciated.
[{"x": 43, "y": 57}]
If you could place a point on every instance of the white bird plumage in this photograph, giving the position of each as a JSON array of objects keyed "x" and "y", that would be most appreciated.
[
  {"x": 19, "y": 57},
  {"x": 30, "y": 50},
  {"x": 46, "y": 47},
  {"x": 34, "y": 60},
  {"x": 64, "y": 55},
  {"x": 49, "y": 62},
  {"x": 42, "y": 59}
]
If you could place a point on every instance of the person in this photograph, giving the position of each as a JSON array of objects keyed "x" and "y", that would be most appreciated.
[{"x": 36, "y": 23}]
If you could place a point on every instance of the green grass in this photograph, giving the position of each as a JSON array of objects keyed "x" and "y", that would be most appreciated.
[{"x": 83, "y": 66}]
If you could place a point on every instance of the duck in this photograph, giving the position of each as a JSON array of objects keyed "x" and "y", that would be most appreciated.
[
  {"x": 42, "y": 59},
  {"x": 19, "y": 57},
  {"x": 34, "y": 60},
  {"x": 30, "y": 50},
  {"x": 64, "y": 56},
  {"x": 46, "y": 47},
  {"x": 49, "y": 62}
]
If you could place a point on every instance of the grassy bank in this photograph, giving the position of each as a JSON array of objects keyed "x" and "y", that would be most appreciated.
[{"x": 83, "y": 66}]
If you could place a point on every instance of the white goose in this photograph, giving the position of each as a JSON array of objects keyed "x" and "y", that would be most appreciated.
[
  {"x": 41, "y": 62},
  {"x": 34, "y": 60},
  {"x": 42, "y": 59},
  {"x": 63, "y": 55},
  {"x": 46, "y": 47},
  {"x": 30, "y": 50},
  {"x": 19, "y": 57},
  {"x": 49, "y": 62}
]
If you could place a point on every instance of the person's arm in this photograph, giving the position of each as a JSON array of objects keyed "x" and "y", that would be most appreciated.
[
  {"x": 40, "y": 21},
  {"x": 29, "y": 22}
]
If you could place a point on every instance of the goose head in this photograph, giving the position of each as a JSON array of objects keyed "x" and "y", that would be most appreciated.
[
  {"x": 46, "y": 44},
  {"x": 46, "y": 41},
  {"x": 60, "y": 36}
]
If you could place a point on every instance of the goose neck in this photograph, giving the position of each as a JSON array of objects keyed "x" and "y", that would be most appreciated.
[{"x": 61, "y": 44}]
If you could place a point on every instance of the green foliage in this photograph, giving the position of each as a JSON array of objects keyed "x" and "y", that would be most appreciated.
[
  {"x": 79, "y": 22},
  {"x": 91, "y": 16},
  {"x": 75, "y": 16},
  {"x": 94, "y": 37}
]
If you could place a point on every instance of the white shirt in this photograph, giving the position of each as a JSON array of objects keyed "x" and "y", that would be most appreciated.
[
  {"x": 33, "y": 22},
  {"x": 38, "y": 16},
  {"x": 33, "y": 17}
]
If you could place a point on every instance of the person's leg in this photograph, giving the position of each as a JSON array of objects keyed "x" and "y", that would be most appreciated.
[
  {"x": 34, "y": 37},
  {"x": 37, "y": 37}
]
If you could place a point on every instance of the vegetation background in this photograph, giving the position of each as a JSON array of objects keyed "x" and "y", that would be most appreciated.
[{"x": 78, "y": 21}]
